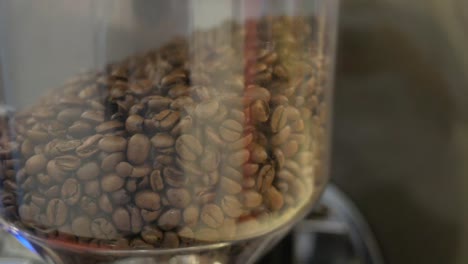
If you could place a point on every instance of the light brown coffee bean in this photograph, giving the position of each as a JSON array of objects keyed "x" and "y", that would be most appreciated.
[
  {"x": 109, "y": 126},
  {"x": 89, "y": 147},
  {"x": 156, "y": 181},
  {"x": 290, "y": 148},
  {"x": 229, "y": 186},
  {"x": 281, "y": 137},
  {"x": 273, "y": 199},
  {"x": 138, "y": 149},
  {"x": 279, "y": 157},
  {"x": 93, "y": 116},
  {"x": 112, "y": 144},
  {"x": 212, "y": 215},
  {"x": 52, "y": 192},
  {"x": 148, "y": 200},
  {"x": 238, "y": 158},
  {"x": 37, "y": 136},
  {"x": 178, "y": 197},
  {"x": 162, "y": 140},
  {"x": 265, "y": 178},
  {"x": 207, "y": 234},
  {"x": 251, "y": 199},
  {"x": 124, "y": 169},
  {"x": 80, "y": 129},
  {"x": 259, "y": 111},
  {"x": 166, "y": 160},
  {"x": 71, "y": 191},
  {"x": 109, "y": 163},
  {"x": 101, "y": 228},
  {"x": 88, "y": 171},
  {"x": 81, "y": 226},
  {"x": 149, "y": 215},
  {"x": 88, "y": 206},
  {"x": 167, "y": 119},
  {"x": 190, "y": 215},
  {"x": 210, "y": 159},
  {"x": 140, "y": 171},
  {"x": 255, "y": 92},
  {"x": 68, "y": 162},
  {"x": 111, "y": 183},
  {"x": 186, "y": 236},
  {"x": 228, "y": 229},
  {"x": 69, "y": 115},
  {"x": 105, "y": 203},
  {"x": 134, "y": 124},
  {"x": 206, "y": 109},
  {"x": 241, "y": 143},
  {"x": 231, "y": 206},
  {"x": 230, "y": 130},
  {"x": 92, "y": 188},
  {"x": 278, "y": 119},
  {"x": 35, "y": 164},
  {"x": 56, "y": 212},
  {"x": 27, "y": 148},
  {"x": 258, "y": 154},
  {"x": 169, "y": 220},
  {"x": 188, "y": 147}
]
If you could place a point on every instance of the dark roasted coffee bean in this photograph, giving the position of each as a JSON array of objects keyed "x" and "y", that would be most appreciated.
[
  {"x": 101, "y": 228},
  {"x": 109, "y": 163},
  {"x": 71, "y": 191},
  {"x": 170, "y": 240},
  {"x": 138, "y": 149},
  {"x": 152, "y": 235},
  {"x": 35, "y": 164},
  {"x": 57, "y": 212},
  {"x": 174, "y": 177},
  {"x": 167, "y": 119},
  {"x": 230, "y": 130},
  {"x": 134, "y": 124},
  {"x": 88, "y": 171},
  {"x": 188, "y": 147},
  {"x": 111, "y": 183},
  {"x": 147, "y": 200},
  {"x": 169, "y": 219},
  {"x": 212, "y": 215},
  {"x": 112, "y": 144}
]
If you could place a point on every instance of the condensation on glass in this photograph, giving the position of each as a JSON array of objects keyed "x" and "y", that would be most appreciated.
[{"x": 167, "y": 126}]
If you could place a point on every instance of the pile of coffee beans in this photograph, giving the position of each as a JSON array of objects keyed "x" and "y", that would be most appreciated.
[{"x": 208, "y": 138}]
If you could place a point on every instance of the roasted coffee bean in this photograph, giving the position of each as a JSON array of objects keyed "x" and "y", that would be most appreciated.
[
  {"x": 169, "y": 219},
  {"x": 124, "y": 169},
  {"x": 69, "y": 114},
  {"x": 162, "y": 140},
  {"x": 207, "y": 234},
  {"x": 148, "y": 200},
  {"x": 178, "y": 197},
  {"x": 167, "y": 119},
  {"x": 105, "y": 203},
  {"x": 89, "y": 147},
  {"x": 241, "y": 143},
  {"x": 279, "y": 157},
  {"x": 251, "y": 199},
  {"x": 188, "y": 147},
  {"x": 37, "y": 136},
  {"x": 229, "y": 186},
  {"x": 35, "y": 164},
  {"x": 258, "y": 154},
  {"x": 92, "y": 188},
  {"x": 281, "y": 137},
  {"x": 81, "y": 226},
  {"x": 260, "y": 111},
  {"x": 230, "y": 130},
  {"x": 109, "y": 163},
  {"x": 278, "y": 119},
  {"x": 186, "y": 235},
  {"x": 120, "y": 197},
  {"x": 80, "y": 129},
  {"x": 231, "y": 206},
  {"x": 125, "y": 220},
  {"x": 109, "y": 126},
  {"x": 170, "y": 240},
  {"x": 152, "y": 235},
  {"x": 212, "y": 215},
  {"x": 101, "y": 228},
  {"x": 138, "y": 149},
  {"x": 238, "y": 158},
  {"x": 255, "y": 92},
  {"x": 71, "y": 191},
  {"x": 95, "y": 117},
  {"x": 52, "y": 191},
  {"x": 57, "y": 212},
  {"x": 111, "y": 183},
  {"x": 134, "y": 124},
  {"x": 210, "y": 159},
  {"x": 190, "y": 215},
  {"x": 88, "y": 206},
  {"x": 265, "y": 178},
  {"x": 68, "y": 162},
  {"x": 88, "y": 171},
  {"x": 273, "y": 199},
  {"x": 207, "y": 109},
  {"x": 156, "y": 181},
  {"x": 166, "y": 160},
  {"x": 112, "y": 144},
  {"x": 140, "y": 171},
  {"x": 55, "y": 172}
]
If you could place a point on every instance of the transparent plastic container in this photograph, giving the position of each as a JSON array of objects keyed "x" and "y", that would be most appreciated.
[{"x": 180, "y": 131}]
